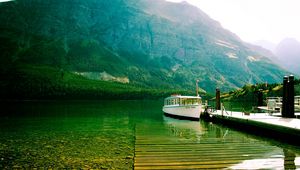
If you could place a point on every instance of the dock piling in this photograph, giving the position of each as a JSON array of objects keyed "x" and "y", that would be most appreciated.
[
  {"x": 284, "y": 96},
  {"x": 218, "y": 102},
  {"x": 291, "y": 98},
  {"x": 260, "y": 100},
  {"x": 288, "y": 108}
]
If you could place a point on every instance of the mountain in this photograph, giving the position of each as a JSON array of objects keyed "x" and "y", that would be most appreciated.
[
  {"x": 147, "y": 43},
  {"x": 288, "y": 52},
  {"x": 266, "y": 44},
  {"x": 266, "y": 52}
]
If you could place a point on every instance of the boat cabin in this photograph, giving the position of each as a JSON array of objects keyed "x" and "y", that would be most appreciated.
[{"x": 182, "y": 100}]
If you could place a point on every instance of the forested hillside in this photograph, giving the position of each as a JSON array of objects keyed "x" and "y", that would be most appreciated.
[{"x": 150, "y": 44}]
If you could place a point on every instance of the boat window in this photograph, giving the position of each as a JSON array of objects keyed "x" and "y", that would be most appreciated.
[
  {"x": 196, "y": 101},
  {"x": 199, "y": 101},
  {"x": 183, "y": 101}
]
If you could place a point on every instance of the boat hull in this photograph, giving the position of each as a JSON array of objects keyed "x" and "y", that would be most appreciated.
[{"x": 191, "y": 112}]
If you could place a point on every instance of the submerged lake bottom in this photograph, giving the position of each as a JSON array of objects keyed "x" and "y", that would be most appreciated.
[{"x": 127, "y": 135}]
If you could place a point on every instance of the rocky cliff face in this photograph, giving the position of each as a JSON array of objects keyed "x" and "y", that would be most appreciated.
[{"x": 151, "y": 43}]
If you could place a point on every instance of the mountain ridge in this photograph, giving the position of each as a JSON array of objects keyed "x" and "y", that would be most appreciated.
[
  {"x": 286, "y": 53},
  {"x": 266, "y": 45},
  {"x": 152, "y": 43}
]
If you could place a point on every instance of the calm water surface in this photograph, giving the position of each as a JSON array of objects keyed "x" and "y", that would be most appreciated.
[{"x": 119, "y": 134}]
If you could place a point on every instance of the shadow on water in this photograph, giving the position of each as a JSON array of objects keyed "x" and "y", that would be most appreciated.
[{"x": 106, "y": 134}]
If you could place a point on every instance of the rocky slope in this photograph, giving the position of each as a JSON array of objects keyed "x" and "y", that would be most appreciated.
[{"x": 149, "y": 43}]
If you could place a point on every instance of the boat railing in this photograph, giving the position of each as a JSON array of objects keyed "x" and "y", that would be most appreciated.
[
  {"x": 223, "y": 109},
  {"x": 297, "y": 100},
  {"x": 275, "y": 103}
]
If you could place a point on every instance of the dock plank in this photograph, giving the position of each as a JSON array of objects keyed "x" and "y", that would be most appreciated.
[
  {"x": 187, "y": 162},
  {"x": 158, "y": 149}
]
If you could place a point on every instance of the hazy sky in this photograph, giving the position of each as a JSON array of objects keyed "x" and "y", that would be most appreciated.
[{"x": 253, "y": 20}]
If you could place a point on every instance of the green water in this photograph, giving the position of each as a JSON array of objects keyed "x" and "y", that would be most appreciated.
[{"x": 103, "y": 135}]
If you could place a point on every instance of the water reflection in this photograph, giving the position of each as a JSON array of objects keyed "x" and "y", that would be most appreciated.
[
  {"x": 234, "y": 149},
  {"x": 184, "y": 128},
  {"x": 285, "y": 161},
  {"x": 289, "y": 159},
  {"x": 105, "y": 134}
]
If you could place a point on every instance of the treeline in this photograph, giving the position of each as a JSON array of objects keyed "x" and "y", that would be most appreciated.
[
  {"x": 28, "y": 82},
  {"x": 250, "y": 92}
]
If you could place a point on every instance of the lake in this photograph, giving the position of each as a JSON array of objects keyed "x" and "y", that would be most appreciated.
[{"x": 124, "y": 134}]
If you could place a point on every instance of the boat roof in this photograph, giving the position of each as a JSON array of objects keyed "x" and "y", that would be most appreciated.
[{"x": 183, "y": 97}]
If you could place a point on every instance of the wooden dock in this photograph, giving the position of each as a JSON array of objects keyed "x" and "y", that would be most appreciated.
[
  {"x": 173, "y": 146},
  {"x": 288, "y": 128}
]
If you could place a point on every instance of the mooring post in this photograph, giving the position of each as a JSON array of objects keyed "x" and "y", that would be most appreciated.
[
  {"x": 218, "y": 102},
  {"x": 284, "y": 96},
  {"x": 291, "y": 98},
  {"x": 259, "y": 98}
]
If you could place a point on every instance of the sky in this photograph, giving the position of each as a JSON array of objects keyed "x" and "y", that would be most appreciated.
[{"x": 253, "y": 20}]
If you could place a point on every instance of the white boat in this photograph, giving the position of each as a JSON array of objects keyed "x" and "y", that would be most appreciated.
[{"x": 185, "y": 107}]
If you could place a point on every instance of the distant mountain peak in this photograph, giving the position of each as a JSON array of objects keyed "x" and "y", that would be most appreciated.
[
  {"x": 288, "y": 43},
  {"x": 288, "y": 52}
]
